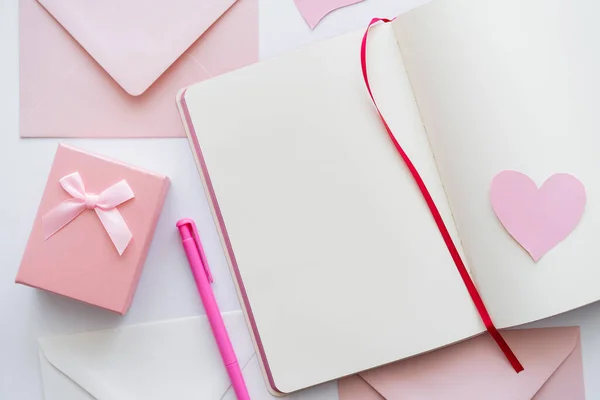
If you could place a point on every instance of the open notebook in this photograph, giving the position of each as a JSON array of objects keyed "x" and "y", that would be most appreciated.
[{"x": 338, "y": 261}]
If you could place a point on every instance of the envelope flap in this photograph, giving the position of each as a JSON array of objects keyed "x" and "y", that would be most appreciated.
[
  {"x": 354, "y": 387},
  {"x": 475, "y": 369},
  {"x": 170, "y": 359},
  {"x": 135, "y": 41}
]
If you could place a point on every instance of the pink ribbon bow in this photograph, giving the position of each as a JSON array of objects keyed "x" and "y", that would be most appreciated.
[{"x": 104, "y": 204}]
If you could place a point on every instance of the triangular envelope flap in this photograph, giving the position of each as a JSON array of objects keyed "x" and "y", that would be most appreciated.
[
  {"x": 354, "y": 387},
  {"x": 57, "y": 386},
  {"x": 476, "y": 369},
  {"x": 169, "y": 359},
  {"x": 135, "y": 41}
]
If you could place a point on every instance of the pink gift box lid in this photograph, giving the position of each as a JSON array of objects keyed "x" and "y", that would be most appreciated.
[{"x": 80, "y": 260}]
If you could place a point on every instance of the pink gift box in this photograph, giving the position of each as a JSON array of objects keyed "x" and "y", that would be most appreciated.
[{"x": 81, "y": 259}]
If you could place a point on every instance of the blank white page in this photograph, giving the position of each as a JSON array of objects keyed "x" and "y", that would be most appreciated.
[
  {"x": 512, "y": 84},
  {"x": 342, "y": 263}
]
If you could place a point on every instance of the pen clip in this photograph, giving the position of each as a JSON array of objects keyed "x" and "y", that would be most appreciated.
[{"x": 201, "y": 251}]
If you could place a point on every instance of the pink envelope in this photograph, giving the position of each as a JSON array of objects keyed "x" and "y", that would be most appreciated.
[
  {"x": 475, "y": 370},
  {"x": 112, "y": 68}
]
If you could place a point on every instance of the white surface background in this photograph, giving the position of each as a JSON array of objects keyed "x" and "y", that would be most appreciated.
[{"x": 166, "y": 288}]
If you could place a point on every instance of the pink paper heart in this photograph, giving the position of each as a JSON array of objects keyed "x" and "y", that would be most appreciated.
[
  {"x": 314, "y": 10},
  {"x": 538, "y": 219}
]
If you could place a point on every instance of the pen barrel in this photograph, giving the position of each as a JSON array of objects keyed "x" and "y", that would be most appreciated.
[
  {"x": 237, "y": 381},
  {"x": 210, "y": 303},
  {"x": 201, "y": 277}
]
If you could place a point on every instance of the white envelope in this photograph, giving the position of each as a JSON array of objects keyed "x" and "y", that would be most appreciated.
[{"x": 175, "y": 359}]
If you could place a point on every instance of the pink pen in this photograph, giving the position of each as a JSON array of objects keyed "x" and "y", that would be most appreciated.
[{"x": 202, "y": 276}]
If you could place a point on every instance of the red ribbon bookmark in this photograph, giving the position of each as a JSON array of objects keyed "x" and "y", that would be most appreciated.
[{"x": 462, "y": 270}]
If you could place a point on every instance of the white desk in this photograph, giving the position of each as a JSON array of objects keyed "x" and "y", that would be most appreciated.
[{"x": 166, "y": 289}]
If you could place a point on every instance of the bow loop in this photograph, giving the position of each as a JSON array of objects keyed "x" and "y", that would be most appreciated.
[
  {"x": 115, "y": 195},
  {"x": 104, "y": 204},
  {"x": 73, "y": 184}
]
